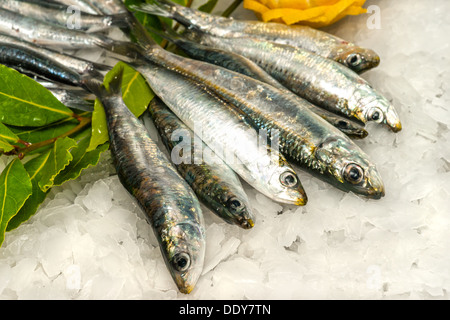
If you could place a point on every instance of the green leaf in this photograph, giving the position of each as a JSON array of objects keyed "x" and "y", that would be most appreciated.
[
  {"x": 24, "y": 102},
  {"x": 15, "y": 189},
  {"x": 209, "y": 6},
  {"x": 136, "y": 93},
  {"x": 99, "y": 127},
  {"x": 7, "y": 138},
  {"x": 82, "y": 159},
  {"x": 59, "y": 158},
  {"x": 34, "y": 168}
]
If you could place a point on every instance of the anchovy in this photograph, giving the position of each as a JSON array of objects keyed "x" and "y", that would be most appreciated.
[
  {"x": 305, "y": 138},
  {"x": 64, "y": 15},
  {"x": 49, "y": 35},
  {"x": 321, "y": 81},
  {"x": 224, "y": 130},
  {"x": 170, "y": 205},
  {"x": 214, "y": 182},
  {"x": 238, "y": 63},
  {"x": 81, "y": 66},
  {"x": 319, "y": 42}
]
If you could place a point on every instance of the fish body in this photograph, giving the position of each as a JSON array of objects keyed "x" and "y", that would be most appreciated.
[
  {"x": 81, "y": 66},
  {"x": 169, "y": 203},
  {"x": 37, "y": 64},
  {"x": 63, "y": 15},
  {"x": 323, "y": 82},
  {"x": 71, "y": 97},
  {"x": 225, "y": 131},
  {"x": 56, "y": 37},
  {"x": 318, "y": 42},
  {"x": 214, "y": 182},
  {"x": 82, "y": 5},
  {"x": 305, "y": 138},
  {"x": 235, "y": 62}
]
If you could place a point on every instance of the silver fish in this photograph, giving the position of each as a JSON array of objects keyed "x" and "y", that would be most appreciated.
[
  {"x": 82, "y": 5},
  {"x": 56, "y": 37},
  {"x": 81, "y": 66},
  {"x": 321, "y": 81},
  {"x": 227, "y": 134},
  {"x": 214, "y": 182},
  {"x": 63, "y": 15},
  {"x": 238, "y": 63},
  {"x": 305, "y": 138},
  {"x": 170, "y": 205},
  {"x": 319, "y": 42}
]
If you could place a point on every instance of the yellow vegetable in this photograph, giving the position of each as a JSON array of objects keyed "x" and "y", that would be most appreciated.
[{"x": 314, "y": 13}]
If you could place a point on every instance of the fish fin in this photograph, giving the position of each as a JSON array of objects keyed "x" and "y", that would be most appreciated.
[
  {"x": 160, "y": 8},
  {"x": 115, "y": 85},
  {"x": 123, "y": 48},
  {"x": 120, "y": 20}
]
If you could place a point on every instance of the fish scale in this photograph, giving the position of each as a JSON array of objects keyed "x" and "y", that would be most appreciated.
[{"x": 216, "y": 185}]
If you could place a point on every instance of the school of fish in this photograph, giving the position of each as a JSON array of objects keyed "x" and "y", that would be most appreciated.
[{"x": 255, "y": 98}]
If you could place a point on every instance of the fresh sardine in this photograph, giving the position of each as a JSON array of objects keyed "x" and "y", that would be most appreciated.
[
  {"x": 27, "y": 61},
  {"x": 81, "y": 66},
  {"x": 56, "y": 37},
  {"x": 321, "y": 81},
  {"x": 82, "y": 5},
  {"x": 319, "y": 42},
  {"x": 214, "y": 182},
  {"x": 171, "y": 206},
  {"x": 305, "y": 138},
  {"x": 227, "y": 134},
  {"x": 63, "y": 15},
  {"x": 238, "y": 63}
]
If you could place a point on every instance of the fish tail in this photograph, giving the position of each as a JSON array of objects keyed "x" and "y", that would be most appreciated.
[
  {"x": 98, "y": 88},
  {"x": 123, "y": 48},
  {"x": 120, "y": 20},
  {"x": 160, "y": 8}
]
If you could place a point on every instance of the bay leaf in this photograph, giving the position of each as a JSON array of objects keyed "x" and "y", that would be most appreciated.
[
  {"x": 15, "y": 189},
  {"x": 24, "y": 102}
]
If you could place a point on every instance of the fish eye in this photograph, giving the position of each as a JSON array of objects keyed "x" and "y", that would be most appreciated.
[
  {"x": 354, "y": 60},
  {"x": 353, "y": 173},
  {"x": 235, "y": 205},
  {"x": 181, "y": 262},
  {"x": 376, "y": 115},
  {"x": 343, "y": 124},
  {"x": 289, "y": 179}
]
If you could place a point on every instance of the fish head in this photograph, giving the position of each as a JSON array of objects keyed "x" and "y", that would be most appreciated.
[
  {"x": 285, "y": 185},
  {"x": 239, "y": 212},
  {"x": 356, "y": 58},
  {"x": 348, "y": 168},
  {"x": 380, "y": 110},
  {"x": 183, "y": 248}
]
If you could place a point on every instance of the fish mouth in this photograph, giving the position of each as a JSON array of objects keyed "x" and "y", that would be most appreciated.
[
  {"x": 247, "y": 224},
  {"x": 395, "y": 127}
]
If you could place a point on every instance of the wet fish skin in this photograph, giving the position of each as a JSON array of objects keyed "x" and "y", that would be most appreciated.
[
  {"x": 84, "y": 6},
  {"x": 56, "y": 37},
  {"x": 81, "y": 66},
  {"x": 302, "y": 133},
  {"x": 215, "y": 184},
  {"x": 240, "y": 64},
  {"x": 319, "y": 42},
  {"x": 170, "y": 205},
  {"x": 63, "y": 15},
  {"x": 226, "y": 132},
  {"x": 321, "y": 81},
  {"x": 31, "y": 62}
]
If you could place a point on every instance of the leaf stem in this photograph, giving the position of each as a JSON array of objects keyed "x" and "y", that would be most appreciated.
[
  {"x": 83, "y": 123},
  {"x": 231, "y": 8}
]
